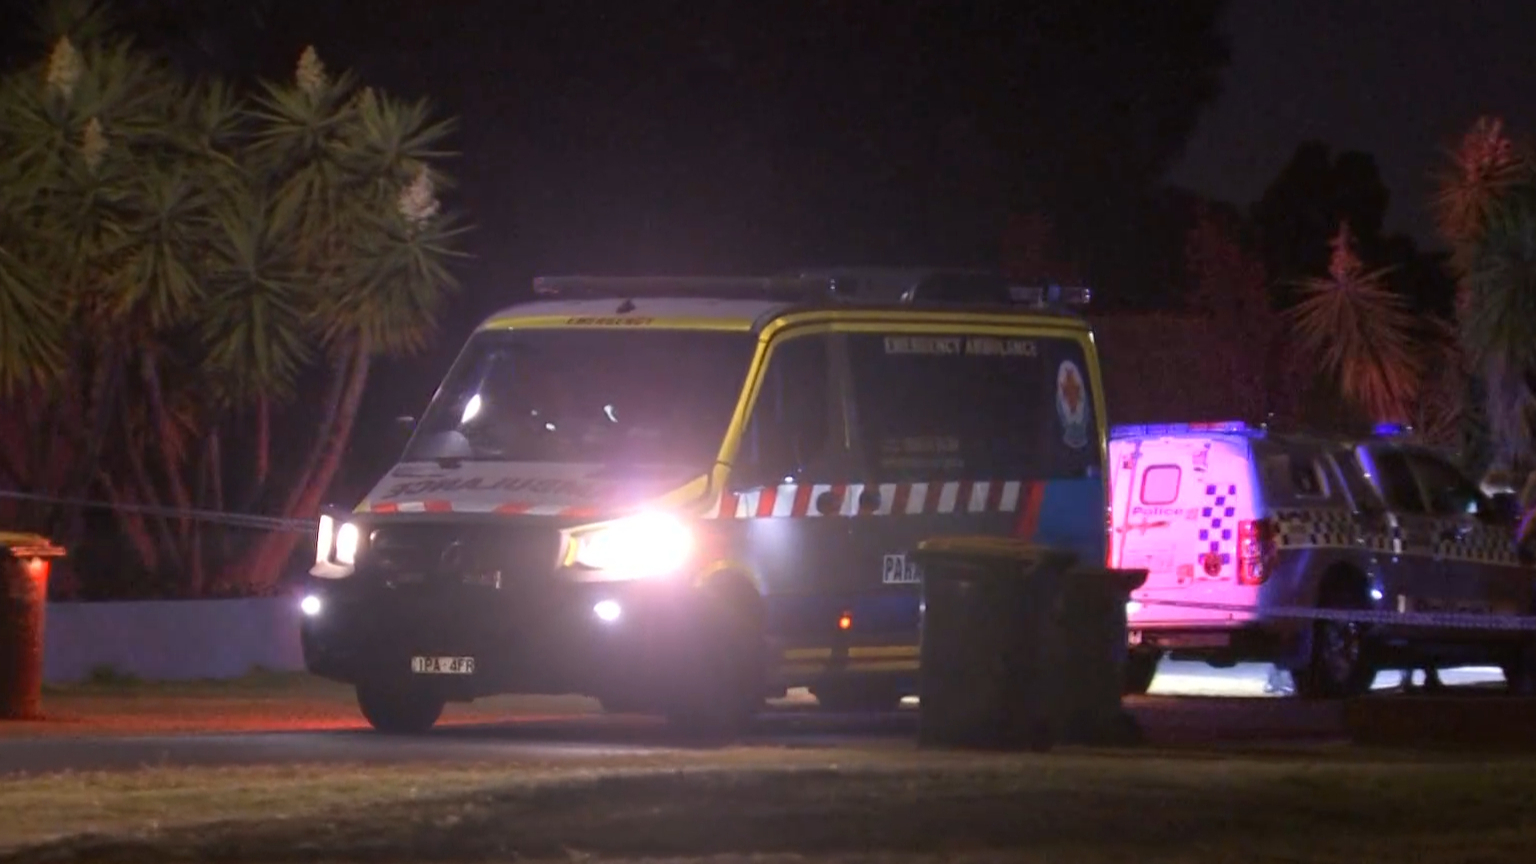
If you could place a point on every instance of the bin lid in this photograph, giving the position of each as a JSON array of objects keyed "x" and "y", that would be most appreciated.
[
  {"x": 23, "y": 544},
  {"x": 1030, "y": 555}
]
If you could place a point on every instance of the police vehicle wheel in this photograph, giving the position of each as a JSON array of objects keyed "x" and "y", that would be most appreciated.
[
  {"x": 1339, "y": 665},
  {"x": 399, "y": 712},
  {"x": 858, "y": 697},
  {"x": 720, "y": 688},
  {"x": 1140, "y": 671},
  {"x": 1520, "y": 671}
]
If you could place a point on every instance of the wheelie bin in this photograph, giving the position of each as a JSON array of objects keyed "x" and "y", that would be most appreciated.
[
  {"x": 25, "y": 560},
  {"x": 1021, "y": 648}
]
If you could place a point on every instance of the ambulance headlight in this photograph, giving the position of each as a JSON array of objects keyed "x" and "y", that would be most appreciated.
[
  {"x": 346, "y": 544},
  {"x": 336, "y": 543},
  {"x": 326, "y": 540},
  {"x": 651, "y": 544}
]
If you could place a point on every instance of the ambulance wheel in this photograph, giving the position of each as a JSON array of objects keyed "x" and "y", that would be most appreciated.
[
  {"x": 718, "y": 687},
  {"x": 1140, "y": 671},
  {"x": 399, "y": 711},
  {"x": 1338, "y": 665}
]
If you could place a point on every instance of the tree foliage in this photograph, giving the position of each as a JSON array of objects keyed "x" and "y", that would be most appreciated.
[
  {"x": 1360, "y": 333},
  {"x": 1486, "y": 210},
  {"x": 176, "y": 257}
]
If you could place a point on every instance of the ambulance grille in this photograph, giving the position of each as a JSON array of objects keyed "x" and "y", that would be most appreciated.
[{"x": 448, "y": 553}]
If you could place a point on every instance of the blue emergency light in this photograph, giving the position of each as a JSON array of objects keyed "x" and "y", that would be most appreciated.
[
  {"x": 1141, "y": 430},
  {"x": 1050, "y": 295},
  {"x": 1390, "y": 430}
]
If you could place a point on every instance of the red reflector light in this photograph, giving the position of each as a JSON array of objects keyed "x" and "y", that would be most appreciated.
[
  {"x": 845, "y": 621},
  {"x": 1255, "y": 548}
]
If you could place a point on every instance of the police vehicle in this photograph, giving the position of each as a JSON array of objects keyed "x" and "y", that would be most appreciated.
[
  {"x": 1246, "y": 532},
  {"x": 686, "y": 495}
]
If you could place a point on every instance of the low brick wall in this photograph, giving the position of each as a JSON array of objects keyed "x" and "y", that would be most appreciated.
[{"x": 174, "y": 640}]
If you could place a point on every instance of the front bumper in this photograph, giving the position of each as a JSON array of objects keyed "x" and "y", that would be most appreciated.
[{"x": 554, "y": 643}]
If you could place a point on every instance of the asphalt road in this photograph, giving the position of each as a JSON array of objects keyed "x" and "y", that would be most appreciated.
[{"x": 1201, "y": 716}]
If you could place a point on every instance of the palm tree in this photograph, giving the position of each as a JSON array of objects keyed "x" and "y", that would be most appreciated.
[
  {"x": 1486, "y": 209},
  {"x": 353, "y": 198},
  {"x": 1361, "y": 333},
  {"x": 174, "y": 257}
]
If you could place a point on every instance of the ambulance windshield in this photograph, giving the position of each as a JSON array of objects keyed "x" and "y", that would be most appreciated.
[{"x": 615, "y": 397}]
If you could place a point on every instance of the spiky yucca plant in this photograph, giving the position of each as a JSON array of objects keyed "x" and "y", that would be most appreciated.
[
  {"x": 1486, "y": 210},
  {"x": 1359, "y": 331}
]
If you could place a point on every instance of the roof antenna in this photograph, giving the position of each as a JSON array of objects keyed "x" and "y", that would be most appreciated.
[{"x": 627, "y": 306}]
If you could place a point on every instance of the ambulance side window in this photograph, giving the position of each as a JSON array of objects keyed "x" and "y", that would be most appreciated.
[{"x": 790, "y": 427}]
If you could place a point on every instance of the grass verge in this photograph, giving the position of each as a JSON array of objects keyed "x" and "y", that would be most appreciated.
[{"x": 824, "y": 805}]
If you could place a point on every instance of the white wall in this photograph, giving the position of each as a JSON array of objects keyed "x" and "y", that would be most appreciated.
[{"x": 173, "y": 640}]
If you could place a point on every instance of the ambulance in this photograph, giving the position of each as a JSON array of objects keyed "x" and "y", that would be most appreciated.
[
  {"x": 1334, "y": 557},
  {"x": 685, "y": 496}
]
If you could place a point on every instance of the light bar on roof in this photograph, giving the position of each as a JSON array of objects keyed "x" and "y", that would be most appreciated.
[
  {"x": 1050, "y": 295},
  {"x": 617, "y": 286},
  {"x": 1140, "y": 430}
]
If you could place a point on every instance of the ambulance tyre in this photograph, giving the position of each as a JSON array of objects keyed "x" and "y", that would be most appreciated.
[
  {"x": 1140, "y": 670},
  {"x": 399, "y": 711},
  {"x": 1338, "y": 665},
  {"x": 720, "y": 685}
]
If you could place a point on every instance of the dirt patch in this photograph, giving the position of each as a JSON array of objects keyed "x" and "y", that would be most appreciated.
[
  {"x": 835, "y": 806},
  {"x": 268, "y": 702}
]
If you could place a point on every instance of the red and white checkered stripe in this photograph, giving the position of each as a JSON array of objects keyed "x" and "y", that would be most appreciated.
[
  {"x": 796, "y": 501},
  {"x": 445, "y": 506}
]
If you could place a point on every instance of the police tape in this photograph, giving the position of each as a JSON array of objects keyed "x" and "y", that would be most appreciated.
[
  {"x": 1435, "y": 620},
  {"x": 221, "y": 517}
]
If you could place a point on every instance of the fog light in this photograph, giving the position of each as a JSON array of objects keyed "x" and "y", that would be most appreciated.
[
  {"x": 607, "y": 610},
  {"x": 310, "y": 605},
  {"x": 1132, "y": 608}
]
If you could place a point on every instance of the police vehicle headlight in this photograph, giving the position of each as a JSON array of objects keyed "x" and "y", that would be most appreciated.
[{"x": 651, "y": 544}]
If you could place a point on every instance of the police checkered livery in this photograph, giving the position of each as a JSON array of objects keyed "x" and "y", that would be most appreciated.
[
  {"x": 1220, "y": 520},
  {"x": 1312, "y": 529},
  {"x": 1480, "y": 545}
]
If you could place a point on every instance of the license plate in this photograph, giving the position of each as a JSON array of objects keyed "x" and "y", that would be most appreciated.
[{"x": 443, "y": 665}]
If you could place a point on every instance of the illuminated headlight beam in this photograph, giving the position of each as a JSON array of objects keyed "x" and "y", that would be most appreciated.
[{"x": 651, "y": 544}]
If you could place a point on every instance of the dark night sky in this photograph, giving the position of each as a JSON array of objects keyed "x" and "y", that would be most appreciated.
[
  {"x": 581, "y": 154},
  {"x": 1394, "y": 78}
]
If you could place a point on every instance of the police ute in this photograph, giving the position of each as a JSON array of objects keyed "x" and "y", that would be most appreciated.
[
  {"x": 1332, "y": 557},
  {"x": 685, "y": 496}
]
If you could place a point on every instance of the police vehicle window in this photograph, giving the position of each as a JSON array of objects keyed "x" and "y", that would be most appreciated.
[
  {"x": 609, "y": 396},
  {"x": 1307, "y": 481},
  {"x": 791, "y": 419},
  {"x": 966, "y": 407},
  {"x": 1160, "y": 484},
  {"x": 1450, "y": 492},
  {"x": 1398, "y": 486},
  {"x": 1360, "y": 490}
]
